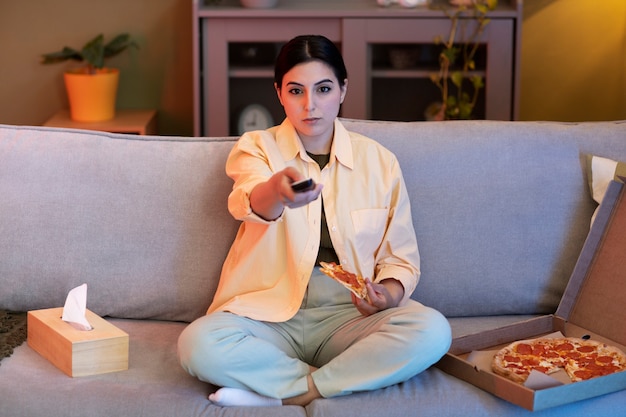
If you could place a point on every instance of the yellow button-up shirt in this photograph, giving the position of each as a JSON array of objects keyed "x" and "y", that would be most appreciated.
[{"x": 367, "y": 208}]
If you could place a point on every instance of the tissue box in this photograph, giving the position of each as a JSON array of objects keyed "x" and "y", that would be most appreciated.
[{"x": 77, "y": 353}]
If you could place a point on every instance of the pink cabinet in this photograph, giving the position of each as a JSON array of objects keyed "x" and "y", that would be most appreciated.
[{"x": 389, "y": 52}]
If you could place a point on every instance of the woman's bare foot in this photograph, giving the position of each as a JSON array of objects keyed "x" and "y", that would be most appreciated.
[{"x": 305, "y": 398}]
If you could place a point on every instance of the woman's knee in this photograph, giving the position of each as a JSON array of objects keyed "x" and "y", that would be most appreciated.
[
  {"x": 200, "y": 345},
  {"x": 432, "y": 330},
  {"x": 440, "y": 331}
]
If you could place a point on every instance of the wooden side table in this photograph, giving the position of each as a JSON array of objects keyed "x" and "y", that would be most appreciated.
[{"x": 138, "y": 122}]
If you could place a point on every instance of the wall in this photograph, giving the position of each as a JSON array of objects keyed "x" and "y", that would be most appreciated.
[
  {"x": 573, "y": 64},
  {"x": 573, "y": 60},
  {"x": 157, "y": 75}
]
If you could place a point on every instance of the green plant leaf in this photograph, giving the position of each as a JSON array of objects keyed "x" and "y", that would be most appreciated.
[
  {"x": 452, "y": 112},
  {"x": 93, "y": 52},
  {"x": 62, "y": 55},
  {"x": 481, "y": 8},
  {"x": 457, "y": 78},
  {"x": 465, "y": 110},
  {"x": 451, "y": 53},
  {"x": 492, "y": 4},
  {"x": 477, "y": 82},
  {"x": 118, "y": 44}
]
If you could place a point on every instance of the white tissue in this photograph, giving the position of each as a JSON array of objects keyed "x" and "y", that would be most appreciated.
[{"x": 75, "y": 307}]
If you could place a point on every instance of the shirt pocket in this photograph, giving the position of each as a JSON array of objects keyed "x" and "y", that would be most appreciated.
[{"x": 369, "y": 228}]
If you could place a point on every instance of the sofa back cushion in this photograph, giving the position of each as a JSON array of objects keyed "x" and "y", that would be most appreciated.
[
  {"x": 501, "y": 210},
  {"x": 142, "y": 220}
]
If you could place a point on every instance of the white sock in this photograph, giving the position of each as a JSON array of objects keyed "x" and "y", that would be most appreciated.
[{"x": 226, "y": 397}]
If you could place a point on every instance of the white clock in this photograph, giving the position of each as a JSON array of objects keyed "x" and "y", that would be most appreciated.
[
  {"x": 412, "y": 3},
  {"x": 254, "y": 117}
]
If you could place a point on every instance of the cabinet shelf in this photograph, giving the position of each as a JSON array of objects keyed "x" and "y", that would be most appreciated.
[
  {"x": 338, "y": 8},
  {"x": 234, "y": 51},
  {"x": 414, "y": 73},
  {"x": 260, "y": 72}
]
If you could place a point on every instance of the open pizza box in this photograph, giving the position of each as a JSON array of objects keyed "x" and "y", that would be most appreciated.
[{"x": 593, "y": 306}]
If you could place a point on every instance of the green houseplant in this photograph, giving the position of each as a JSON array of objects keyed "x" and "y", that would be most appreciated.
[
  {"x": 92, "y": 89},
  {"x": 457, "y": 61}
]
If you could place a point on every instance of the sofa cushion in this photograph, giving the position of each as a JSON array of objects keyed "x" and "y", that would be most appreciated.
[
  {"x": 497, "y": 208},
  {"x": 154, "y": 385},
  {"x": 142, "y": 220},
  {"x": 501, "y": 210}
]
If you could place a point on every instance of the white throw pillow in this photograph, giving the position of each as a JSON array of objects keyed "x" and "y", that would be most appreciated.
[{"x": 601, "y": 172}]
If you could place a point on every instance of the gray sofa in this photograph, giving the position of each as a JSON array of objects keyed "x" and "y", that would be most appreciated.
[{"x": 501, "y": 211}]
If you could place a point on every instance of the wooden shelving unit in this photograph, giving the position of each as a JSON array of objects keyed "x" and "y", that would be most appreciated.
[
  {"x": 234, "y": 50},
  {"x": 136, "y": 122}
]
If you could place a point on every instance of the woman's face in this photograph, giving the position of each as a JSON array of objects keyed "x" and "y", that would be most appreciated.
[{"x": 311, "y": 96}]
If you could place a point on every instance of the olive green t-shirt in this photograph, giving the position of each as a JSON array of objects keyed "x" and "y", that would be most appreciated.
[{"x": 326, "y": 251}]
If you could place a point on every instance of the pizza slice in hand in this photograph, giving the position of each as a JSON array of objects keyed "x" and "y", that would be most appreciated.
[{"x": 351, "y": 281}]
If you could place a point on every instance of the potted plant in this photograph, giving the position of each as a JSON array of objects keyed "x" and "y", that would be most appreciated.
[
  {"x": 92, "y": 89},
  {"x": 457, "y": 61}
]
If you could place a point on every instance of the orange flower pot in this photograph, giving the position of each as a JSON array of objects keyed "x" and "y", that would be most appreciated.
[{"x": 92, "y": 96}]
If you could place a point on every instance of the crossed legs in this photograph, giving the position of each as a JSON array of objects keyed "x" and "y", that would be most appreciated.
[{"x": 312, "y": 356}]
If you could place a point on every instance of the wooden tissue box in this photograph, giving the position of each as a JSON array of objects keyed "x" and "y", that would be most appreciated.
[{"x": 77, "y": 353}]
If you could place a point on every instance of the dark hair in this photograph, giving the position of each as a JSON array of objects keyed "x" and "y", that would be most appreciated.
[{"x": 307, "y": 48}]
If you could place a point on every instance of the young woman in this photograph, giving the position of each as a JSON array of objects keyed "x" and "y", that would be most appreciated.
[{"x": 278, "y": 330}]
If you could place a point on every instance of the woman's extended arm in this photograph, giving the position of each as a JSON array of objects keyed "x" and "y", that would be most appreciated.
[{"x": 268, "y": 199}]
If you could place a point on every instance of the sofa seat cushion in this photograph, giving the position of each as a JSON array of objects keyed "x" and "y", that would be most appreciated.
[
  {"x": 155, "y": 385},
  {"x": 437, "y": 394}
]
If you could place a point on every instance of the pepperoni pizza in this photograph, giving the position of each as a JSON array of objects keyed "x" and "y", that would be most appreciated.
[
  {"x": 351, "y": 281},
  {"x": 581, "y": 359}
]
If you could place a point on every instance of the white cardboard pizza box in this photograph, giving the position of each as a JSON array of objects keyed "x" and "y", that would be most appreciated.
[{"x": 592, "y": 306}]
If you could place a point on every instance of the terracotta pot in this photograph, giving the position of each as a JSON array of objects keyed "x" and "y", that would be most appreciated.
[{"x": 92, "y": 96}]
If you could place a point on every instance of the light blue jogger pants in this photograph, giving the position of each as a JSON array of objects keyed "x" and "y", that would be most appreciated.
[{"x": 352, "y": 352}]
